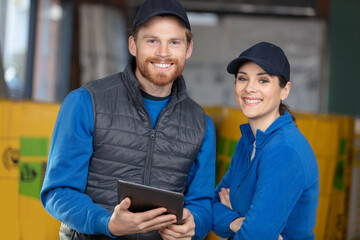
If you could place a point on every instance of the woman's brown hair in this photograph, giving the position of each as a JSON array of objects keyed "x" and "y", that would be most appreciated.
[{"x": 283, "y": 107}]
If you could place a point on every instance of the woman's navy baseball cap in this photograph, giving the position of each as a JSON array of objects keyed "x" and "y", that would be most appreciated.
[
  {"x": 152, "y": 8},
  {"x": 268, "y": 56}
]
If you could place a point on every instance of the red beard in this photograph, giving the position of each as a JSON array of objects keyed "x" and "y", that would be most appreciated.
[{"x": 160, "y": 78}]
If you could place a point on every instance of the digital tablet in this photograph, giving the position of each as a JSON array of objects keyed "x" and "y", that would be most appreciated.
[{"x": 144, "y": 198}]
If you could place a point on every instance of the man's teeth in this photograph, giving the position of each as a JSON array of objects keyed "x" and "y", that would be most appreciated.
[
  {"x": 252, "y": 100},
  {"x": 162, "y": 65}
]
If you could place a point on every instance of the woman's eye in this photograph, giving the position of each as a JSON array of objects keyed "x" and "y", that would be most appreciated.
[
  {"x": 264, "y": 80},
  {"x": 241, "y": 79}
]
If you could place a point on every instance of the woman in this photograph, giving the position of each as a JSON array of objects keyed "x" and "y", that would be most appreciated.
[{"x": 271, "y": 189}]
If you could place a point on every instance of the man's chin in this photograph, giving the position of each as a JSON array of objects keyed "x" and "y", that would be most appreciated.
[{"x": 162, "y": 82}]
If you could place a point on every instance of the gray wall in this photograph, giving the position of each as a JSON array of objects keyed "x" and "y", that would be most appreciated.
[{"x": 302, "y": 39}]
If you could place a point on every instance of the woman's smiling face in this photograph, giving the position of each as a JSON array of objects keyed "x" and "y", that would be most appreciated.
[{"x": 259, "y": 94}]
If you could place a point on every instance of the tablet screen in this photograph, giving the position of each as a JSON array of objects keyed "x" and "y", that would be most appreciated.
[{"x": 144, "y": 198}]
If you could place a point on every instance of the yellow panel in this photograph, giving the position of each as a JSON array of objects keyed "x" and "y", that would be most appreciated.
[
  {"x": 37, "y": 123},
  {"x": 321, "y": 132},
  {"x": 232, "y": 119},
  {"x": 9, "y": 155},
  {"x": 337, "y": 224},
  {"x": 326, "y": 173},
  {"x": 35, "y": 222},
  {"x": 10, "y": 115},
  {"x": 10, "y": 112},
  {"x": 215, "y": 112},
  {"x": 4, "y": 115},
  {"x": 339, "y": 204},
  {"x": 9, "y": 220},
  {"x": 213, "y": 236},
  {"x": 38, "y": 119}
]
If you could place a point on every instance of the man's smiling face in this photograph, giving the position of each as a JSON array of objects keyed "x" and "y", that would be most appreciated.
[{"x": 161, "y": 50}]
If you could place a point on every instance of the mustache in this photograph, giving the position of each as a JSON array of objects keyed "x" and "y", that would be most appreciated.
[{"x": 162, "y": 60}]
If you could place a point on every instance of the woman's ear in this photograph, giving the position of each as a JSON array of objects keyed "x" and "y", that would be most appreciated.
[{"x": 285, "y": 91}]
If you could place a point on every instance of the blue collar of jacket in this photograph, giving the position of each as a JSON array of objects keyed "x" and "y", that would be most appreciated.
[{"x": 261, "y": 136}]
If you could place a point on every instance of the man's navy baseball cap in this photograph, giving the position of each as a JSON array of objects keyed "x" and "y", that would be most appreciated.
[
  {"x": 268, "y": 56},
  {"x": 152, "y": 8}
]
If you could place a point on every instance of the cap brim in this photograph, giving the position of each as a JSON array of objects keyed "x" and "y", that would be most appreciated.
[
  {"x": 159, "y": 13},
  {"x": 234, "y": 65}
]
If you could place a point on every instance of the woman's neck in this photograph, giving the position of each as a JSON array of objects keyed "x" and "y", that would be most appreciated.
[{"x": 261, "y": 123}]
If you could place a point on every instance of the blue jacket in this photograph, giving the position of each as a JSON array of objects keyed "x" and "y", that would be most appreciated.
[
  {"x": 277, "y": 191},
  {"x": 71, "y": 149}
]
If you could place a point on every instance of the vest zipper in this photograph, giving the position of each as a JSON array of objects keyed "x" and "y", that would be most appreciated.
[
  {"x": 150, "y": 152},
  {"x": 149, "y": 158}
]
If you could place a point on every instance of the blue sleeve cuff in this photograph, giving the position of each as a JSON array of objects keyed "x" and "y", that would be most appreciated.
[
  {"x": 101, "y": 223},
  {"x": 201, "y": 220},
  {"x": 197, "y": 229}
]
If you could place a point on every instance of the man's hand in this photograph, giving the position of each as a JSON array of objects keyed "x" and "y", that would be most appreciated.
[
  {"x": 124, "y": 222},
  {"x": 184, "y": 231}
]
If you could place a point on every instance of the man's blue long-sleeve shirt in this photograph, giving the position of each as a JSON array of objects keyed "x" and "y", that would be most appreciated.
[{"x": 64, "y": 185}]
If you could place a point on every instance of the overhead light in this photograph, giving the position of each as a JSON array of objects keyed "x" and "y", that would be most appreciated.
[{"x": 203, "y": 19}]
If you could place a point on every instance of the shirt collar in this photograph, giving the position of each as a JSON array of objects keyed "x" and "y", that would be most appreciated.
[{"x": 261, "y": 137}]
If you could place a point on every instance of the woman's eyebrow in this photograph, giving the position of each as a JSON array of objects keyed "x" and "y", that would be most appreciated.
[
  {"x": 259, "y": 74},
  {"x": 242, "y": 73}
]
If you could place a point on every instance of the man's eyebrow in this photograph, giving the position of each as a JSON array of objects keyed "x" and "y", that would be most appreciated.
[
  {"x": 171, "y": 39},
  {"x": 149, "y": 36}
]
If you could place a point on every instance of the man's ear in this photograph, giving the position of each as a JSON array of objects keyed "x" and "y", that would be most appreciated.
[
  {"x": 189, "y": 50},
  {"x": 132, "y": 46}
]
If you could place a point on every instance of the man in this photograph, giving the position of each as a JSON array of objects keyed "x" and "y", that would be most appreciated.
[{"x": 140, "y": 126}]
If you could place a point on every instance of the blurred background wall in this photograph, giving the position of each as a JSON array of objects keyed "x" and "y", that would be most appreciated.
[{"x": 50, "y": 47}]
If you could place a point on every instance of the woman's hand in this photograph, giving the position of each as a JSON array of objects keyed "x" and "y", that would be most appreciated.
[
  {"x": 224, "y": 195},
  {"x": 235, "y": 225}
]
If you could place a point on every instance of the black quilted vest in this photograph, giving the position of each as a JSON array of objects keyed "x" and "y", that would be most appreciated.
[{"x": 126, "y": 147}]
